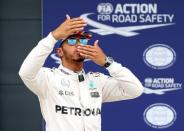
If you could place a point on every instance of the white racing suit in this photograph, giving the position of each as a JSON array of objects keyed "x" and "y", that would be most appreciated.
[{"x": 67, "y": 104}]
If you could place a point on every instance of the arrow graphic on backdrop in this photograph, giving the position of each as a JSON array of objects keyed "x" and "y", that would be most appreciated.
[
  {"x": 127, "y": 31},
  {"x": 158, "y": 91}
]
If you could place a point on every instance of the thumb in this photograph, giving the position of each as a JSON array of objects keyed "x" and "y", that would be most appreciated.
[
  {"x": 96, "y": 43},
  {"x": 68, "y": 17}
]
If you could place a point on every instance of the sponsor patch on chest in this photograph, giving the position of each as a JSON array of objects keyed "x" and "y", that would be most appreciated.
[{"x": 95, "y": 94}]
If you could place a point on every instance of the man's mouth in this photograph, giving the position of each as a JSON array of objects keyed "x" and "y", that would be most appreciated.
[{"x": 77, "y": 53}]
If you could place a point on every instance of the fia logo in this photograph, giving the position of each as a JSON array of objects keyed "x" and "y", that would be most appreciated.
[{"x": 105, "y": 8}]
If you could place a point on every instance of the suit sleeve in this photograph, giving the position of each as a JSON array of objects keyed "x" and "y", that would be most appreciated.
[
  {"x": 121, "y": 85},
  {"x": 31, "y": 72}
]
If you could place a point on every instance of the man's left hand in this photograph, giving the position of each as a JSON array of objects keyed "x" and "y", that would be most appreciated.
[{"x": 94, "y": 53}]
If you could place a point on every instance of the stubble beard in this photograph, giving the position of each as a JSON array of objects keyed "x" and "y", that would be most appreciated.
[{"x": 80, "y": 60}]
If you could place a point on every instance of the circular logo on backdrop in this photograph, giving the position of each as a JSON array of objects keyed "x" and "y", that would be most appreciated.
[
  {"x": 159, "y": 115},
  {"x": 159, "y": 56},
  {"x": 105, "y": 8}
]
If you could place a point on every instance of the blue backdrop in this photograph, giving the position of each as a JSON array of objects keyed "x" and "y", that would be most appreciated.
[{"x": 145, "y": 36}]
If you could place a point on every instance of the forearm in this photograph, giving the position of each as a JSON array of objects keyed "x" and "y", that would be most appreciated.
[
  {"x": 37, "y": 57},
  {"x": 128, "y": 83}
]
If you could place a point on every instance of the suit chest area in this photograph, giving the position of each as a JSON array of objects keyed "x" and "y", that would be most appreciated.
[{"x": 70, "y": 92}]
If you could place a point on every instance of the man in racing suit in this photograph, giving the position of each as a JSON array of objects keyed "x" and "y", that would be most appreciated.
[{"x": 71, "y": 99}]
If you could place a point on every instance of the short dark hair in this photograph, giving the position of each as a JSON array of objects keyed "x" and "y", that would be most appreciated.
[{"x": 63, "y": 41}]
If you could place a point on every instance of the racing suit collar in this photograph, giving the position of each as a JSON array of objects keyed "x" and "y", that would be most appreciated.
[{"x": 70, "y": 72}]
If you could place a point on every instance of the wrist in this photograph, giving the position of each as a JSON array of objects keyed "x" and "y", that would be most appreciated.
[
  {"x": 103, "y": 61},
  {"x": 108, "y": 61},
  {"x": 56, "y": 35}
]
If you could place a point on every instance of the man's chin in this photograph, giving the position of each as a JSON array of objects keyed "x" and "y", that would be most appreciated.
[{"x": 80, "y": 59}]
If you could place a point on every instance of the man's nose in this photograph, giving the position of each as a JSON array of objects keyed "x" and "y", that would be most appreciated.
[{"x": 78, "y": 43}]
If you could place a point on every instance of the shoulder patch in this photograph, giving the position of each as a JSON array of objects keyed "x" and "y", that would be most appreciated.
[
  {"x": 53, "y": 69},
  {"x": 95, "y": 74}
]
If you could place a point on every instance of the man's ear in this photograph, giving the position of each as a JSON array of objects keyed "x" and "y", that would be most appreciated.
[{"x": 60, "y": 52}]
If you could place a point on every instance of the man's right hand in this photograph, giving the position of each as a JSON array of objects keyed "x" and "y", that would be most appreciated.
[{"x": 69, "y": 27}]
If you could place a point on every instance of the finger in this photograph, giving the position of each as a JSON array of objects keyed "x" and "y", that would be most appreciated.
[
  {"x": 72, "y": 31},
  {"x": 87, "y": 46},
  {"x": 96, "y": 43},
  {"x": 86, "y": 49},
  {"x": 83, "y": 55},
  {"x": 86, "y": 52},
  {"x": 92, "y": 53},
  {"x": 77, "y": 19},
  {"x": 77, "y": 26},
  {"x": 86, "y": 55},
  {"x": 77, "y": 22},
  {"x": 68, "y": 17}
]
